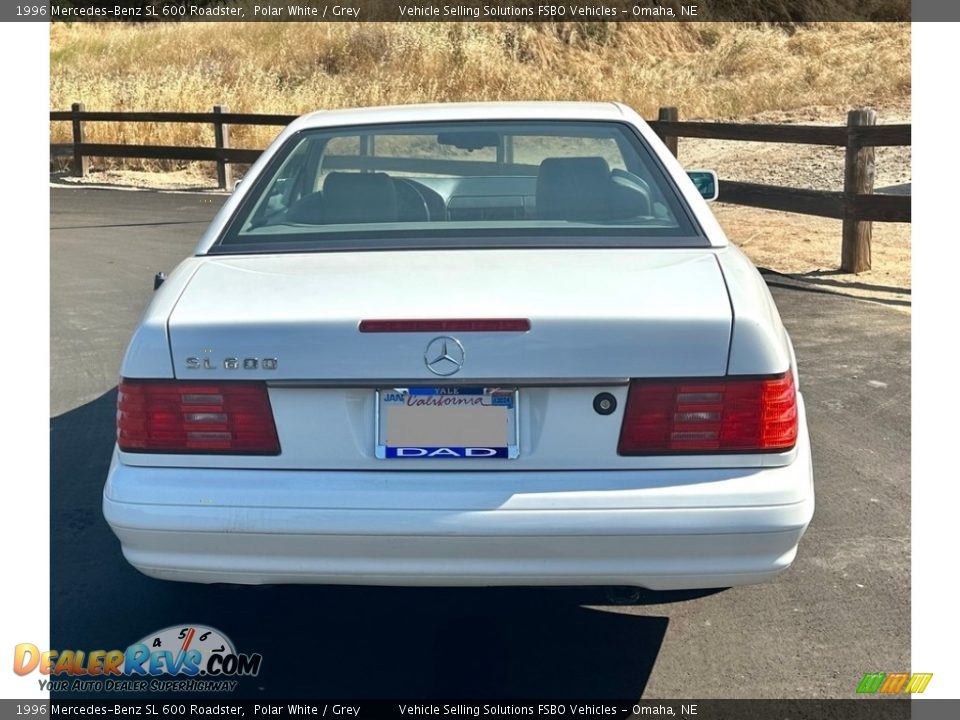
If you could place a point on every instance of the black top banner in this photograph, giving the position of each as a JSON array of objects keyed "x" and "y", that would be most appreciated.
[{"x": 776, "y": 11}]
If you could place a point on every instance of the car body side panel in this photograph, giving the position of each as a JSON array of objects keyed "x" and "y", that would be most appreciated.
[
  {"x": 759, "y": 344},
  {"x": 148, "y": 353}
]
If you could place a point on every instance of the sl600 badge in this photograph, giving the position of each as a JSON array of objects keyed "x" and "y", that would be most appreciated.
[{"x": 232, "y": 363}]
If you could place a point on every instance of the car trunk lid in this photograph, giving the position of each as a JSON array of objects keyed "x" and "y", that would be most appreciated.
[{"x": 593, "y": 314}]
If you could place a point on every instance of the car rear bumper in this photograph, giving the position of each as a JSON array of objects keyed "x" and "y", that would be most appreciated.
[{"x": 660, "y": 529}]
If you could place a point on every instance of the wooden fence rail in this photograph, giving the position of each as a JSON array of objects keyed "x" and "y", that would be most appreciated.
[{"x": 856, "y": 205}]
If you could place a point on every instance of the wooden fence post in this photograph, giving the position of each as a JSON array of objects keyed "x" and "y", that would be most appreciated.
[
  {"x": 669, "y": 114},
  {"x": 79, "y": 161},
  {"x": 221, "y": 136},
  {"x": 858, "y": 174}
]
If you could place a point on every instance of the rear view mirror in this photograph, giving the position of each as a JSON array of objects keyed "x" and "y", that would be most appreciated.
[
  {"x": 469, "y": 140},
  {"x": 706, "y": 182}
]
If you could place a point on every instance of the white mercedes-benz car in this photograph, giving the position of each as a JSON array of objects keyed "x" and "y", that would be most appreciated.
[{"x": 477, "y": 344}]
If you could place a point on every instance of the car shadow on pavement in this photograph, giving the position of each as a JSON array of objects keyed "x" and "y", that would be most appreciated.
[
  {"x": 336, "y": 642},
  {"x": 823, "y": 277}
]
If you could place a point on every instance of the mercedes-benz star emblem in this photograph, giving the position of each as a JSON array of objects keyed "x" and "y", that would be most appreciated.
[{"x": 444, "y": 355}]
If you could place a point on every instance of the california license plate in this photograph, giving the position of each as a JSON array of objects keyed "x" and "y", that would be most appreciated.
[{"x": 447, "y": 422}]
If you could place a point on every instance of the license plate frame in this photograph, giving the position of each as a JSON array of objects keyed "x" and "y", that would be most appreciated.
[{"x": 391, "y": 425}]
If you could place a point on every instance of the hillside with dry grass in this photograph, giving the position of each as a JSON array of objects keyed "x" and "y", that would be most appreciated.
[
  {"x": 809, "y": 73},
  {"x": 709, "y": 70}
]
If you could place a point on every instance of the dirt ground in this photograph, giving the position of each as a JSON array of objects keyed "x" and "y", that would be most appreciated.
[
  {"x": 808, "y": 250},
  {"x": 803, "y": 247}
]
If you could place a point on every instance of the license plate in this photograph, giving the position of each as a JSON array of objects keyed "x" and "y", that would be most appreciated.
[{"x": 450, "y": 423}]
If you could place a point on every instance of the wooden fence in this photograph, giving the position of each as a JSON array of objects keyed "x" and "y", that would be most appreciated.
[{"x": 856, "y": 205}]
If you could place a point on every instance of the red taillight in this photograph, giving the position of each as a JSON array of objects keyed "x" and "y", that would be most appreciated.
[
  {"x": 170, "y": 416},
  {"x": 724, "y": 415}
]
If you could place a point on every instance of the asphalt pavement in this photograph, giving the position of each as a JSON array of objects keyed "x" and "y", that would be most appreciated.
[{"x": 841, "y": 611}]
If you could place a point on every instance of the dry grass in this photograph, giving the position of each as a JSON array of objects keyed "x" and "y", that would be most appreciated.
[
  {"x": 806, "y": 73},
  {"x": 709, "y": 70}
]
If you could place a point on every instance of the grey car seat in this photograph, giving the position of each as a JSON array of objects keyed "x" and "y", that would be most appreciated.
[
  {"x": 359, "y": 198},
  {"x": 582, "y": 188}
]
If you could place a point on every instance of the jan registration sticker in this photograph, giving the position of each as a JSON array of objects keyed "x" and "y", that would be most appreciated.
[{"x": 447, "y": 423}]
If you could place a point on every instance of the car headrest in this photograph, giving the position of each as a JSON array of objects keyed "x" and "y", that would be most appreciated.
[
  {"x": 359, "y": 198},
  {"x": 308, "y": 210},
  {"x": 573, "y": 189}
]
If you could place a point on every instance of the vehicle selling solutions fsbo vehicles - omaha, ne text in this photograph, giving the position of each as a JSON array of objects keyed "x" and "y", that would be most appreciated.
[{"x": 476, "y": 344}]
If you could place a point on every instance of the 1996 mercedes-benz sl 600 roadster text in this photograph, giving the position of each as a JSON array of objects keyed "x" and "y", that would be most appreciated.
[{"x": 478, "y": 344}]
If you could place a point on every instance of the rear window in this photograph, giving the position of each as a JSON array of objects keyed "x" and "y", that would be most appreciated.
[{"x": 462, "y": 184}]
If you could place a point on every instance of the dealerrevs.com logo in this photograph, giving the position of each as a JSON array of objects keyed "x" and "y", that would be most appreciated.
[{"x": 180, "y": 658}]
